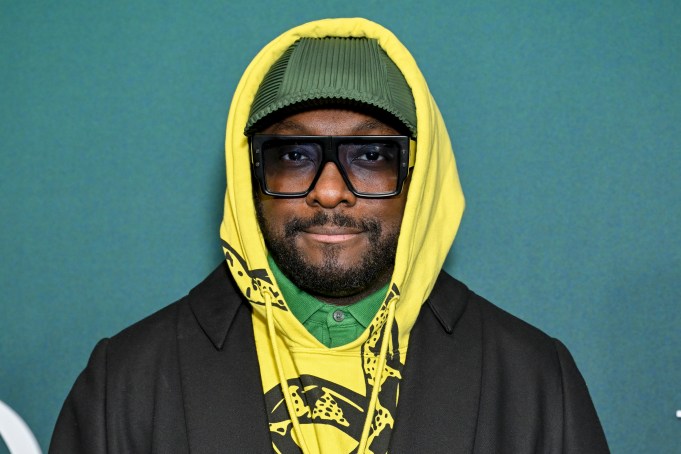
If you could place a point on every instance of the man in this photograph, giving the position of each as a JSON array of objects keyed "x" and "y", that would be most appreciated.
[{"x": 331, "y": 327}]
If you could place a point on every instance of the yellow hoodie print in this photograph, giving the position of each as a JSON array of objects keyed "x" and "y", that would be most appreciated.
[{"x": 342, "y": 399}]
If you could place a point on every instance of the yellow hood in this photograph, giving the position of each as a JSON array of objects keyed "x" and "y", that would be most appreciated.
[{"x": 432, "y": 215}]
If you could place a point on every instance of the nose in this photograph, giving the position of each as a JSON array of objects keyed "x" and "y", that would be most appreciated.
[{"x": 330, "y": 189}]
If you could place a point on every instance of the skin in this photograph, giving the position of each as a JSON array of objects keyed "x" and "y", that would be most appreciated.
[{"x": 331, "y": 196}]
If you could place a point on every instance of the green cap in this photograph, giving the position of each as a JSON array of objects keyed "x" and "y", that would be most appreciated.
[{"x": 315, "y": 72}]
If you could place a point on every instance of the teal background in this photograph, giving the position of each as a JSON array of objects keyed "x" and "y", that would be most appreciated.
[{"x": 565, "y": 117}]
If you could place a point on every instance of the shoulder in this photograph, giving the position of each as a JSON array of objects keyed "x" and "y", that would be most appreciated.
[
  {"x": 154, "y": 339},
  {"x": 511, "y": 350},
  {"x": 454, "y": 303},
  {"x": 518, "y": 370}
]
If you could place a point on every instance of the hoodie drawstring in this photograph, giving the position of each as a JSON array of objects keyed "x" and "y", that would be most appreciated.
[
  {"x": 387, "y": 329},
  {"x": 280, "y": 371}
]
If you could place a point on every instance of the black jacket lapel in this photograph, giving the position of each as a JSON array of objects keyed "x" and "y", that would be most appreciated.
[
  {"x": 440, "y": 390},
  {"x": 221, "y": 383}
]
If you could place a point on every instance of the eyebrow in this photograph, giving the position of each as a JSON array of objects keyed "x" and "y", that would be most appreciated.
[
  {"x": 370, "y": 124},
  {"x": 288, "y": 125}
]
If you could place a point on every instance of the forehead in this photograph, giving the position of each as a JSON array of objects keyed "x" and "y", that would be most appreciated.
[{"x": 330, "y": 122}]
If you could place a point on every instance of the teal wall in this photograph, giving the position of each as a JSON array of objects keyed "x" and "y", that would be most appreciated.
[{"x": 565, "y": 117}]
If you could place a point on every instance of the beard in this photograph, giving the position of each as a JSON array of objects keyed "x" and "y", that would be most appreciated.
[{"x": 331, "y": 278}]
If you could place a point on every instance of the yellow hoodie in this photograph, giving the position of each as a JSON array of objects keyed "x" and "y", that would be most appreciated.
[{"x": 342, "y": 399}]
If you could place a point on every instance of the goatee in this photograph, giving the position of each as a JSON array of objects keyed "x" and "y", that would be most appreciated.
[{"x": 331, "y": 279}]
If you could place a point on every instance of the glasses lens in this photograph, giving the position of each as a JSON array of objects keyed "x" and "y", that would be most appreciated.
[
  {"x": 290, "y": 166},
  {"x": 371, "y": 167}
]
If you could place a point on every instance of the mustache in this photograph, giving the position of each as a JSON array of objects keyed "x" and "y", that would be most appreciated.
[{"x": 296, "y": 225}]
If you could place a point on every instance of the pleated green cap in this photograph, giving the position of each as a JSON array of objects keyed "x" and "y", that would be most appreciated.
[{"x": 315, "y": 72}]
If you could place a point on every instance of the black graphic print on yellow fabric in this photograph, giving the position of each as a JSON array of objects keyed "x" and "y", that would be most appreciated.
[
  {"x": 320, "y": 401},
  {"x": 316, "y": 400},
  {"x": 386, "y": 405},
  {"x": 255, "y": 279}
]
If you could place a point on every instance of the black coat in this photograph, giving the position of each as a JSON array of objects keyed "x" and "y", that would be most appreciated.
[{"x": 186, "y": 379}]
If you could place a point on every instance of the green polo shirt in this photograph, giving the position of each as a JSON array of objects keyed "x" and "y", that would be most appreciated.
[{"x": 330, "y": 324}]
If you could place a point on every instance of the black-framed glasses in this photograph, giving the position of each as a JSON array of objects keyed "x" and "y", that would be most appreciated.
[{"x": 371, "y": 166}]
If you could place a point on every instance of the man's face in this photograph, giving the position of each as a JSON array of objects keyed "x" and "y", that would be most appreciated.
[{"x": 332, "y": 243}]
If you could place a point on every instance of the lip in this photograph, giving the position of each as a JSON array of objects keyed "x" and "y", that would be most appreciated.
[{"x": 331, "y": 234}]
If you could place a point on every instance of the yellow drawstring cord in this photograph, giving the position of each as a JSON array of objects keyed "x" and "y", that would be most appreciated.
[
  {"x": 378, "y": 375},
  {"x": 280, "y": 371}
]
